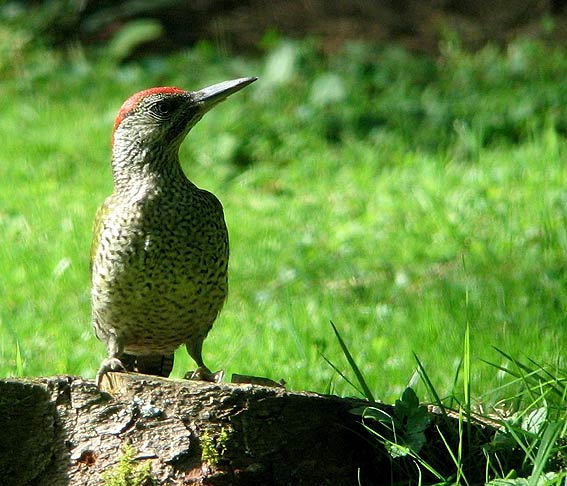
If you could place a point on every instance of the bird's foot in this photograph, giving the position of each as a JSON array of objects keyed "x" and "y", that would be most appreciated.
[
  {"x": 204, "y": 374},
  {"x": 108, "y": 364}
]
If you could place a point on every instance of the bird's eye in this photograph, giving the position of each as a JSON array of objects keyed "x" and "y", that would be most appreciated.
[{"x": 163, "y": 108}]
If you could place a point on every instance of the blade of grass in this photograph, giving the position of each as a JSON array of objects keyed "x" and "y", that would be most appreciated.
[
  {"x": 521, "y": 366},
  {"x": 533, "y": 379},
  {"x": 429, "y": 385},
  {"x": 19, "y": 360},
  {"x": 526, "y": 376},
  {"x": 545, "y": 451},
  {"x": 342, "y": 375},
  {"x": 362, "y": 382},
  {"x": 467, "y": 370},
  {"x": 457, "y": 460},
  {"x": 466, "y": 385},
  {"x": 454, "y": 402}
]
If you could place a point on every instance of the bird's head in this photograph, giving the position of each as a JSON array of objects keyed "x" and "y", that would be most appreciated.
[{"x": 155, "y": 121}]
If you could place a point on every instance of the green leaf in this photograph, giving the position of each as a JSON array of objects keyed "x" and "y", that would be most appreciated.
[{"x": 413, "y": 418}]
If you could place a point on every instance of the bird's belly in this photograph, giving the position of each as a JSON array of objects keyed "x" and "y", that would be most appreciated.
[{"x": 158, "y": 298}]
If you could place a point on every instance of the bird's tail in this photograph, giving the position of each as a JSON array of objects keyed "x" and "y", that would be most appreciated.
[{"x": 148, "y": 364}]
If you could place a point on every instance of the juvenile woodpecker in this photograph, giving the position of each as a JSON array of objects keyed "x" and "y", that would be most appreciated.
[{"x": 159, "y": 254}]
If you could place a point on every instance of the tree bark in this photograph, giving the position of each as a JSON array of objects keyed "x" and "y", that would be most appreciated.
[{"x": 65, "y": 431}]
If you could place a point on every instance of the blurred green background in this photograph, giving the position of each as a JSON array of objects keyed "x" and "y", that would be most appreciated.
[{"x": 397, "y": 170}]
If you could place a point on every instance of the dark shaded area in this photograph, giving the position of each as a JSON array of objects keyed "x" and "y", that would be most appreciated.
[
  {"x": 243, "y": 24},
  {"x": 29, "y": 432}
]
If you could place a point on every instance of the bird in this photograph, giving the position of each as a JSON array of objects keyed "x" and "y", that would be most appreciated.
[{"x": 160, "y": 248}]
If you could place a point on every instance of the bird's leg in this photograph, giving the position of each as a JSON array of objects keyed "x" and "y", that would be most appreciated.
[
  {"x": 112, "y": 361},
  {"x": 202, "y": 373}
]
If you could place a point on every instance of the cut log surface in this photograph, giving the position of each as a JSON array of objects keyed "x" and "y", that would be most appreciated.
[{"x": 64, "y": 430}]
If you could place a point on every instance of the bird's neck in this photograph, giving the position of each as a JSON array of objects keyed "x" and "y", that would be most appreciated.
[{"x": 136, "y": 168}]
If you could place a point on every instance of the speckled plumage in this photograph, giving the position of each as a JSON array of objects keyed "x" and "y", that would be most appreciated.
[{"x": 160, "y": 247}]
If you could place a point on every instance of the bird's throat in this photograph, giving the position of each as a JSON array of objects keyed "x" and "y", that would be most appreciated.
[{"x": 144, "y": 168}]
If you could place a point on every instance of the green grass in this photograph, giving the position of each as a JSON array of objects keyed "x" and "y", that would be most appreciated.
[
  {"x": 401, "y": 197},
  {"x": 522, "y": 441}
]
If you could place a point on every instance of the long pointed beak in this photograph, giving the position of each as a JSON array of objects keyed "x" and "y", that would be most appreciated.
[{"x": 216, "y": 93}]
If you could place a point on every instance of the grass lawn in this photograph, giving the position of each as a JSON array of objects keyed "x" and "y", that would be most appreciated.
[{"x": 402, "y": 198}]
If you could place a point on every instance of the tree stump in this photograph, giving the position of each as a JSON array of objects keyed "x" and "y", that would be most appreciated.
[{"x": 65, "y": 431}]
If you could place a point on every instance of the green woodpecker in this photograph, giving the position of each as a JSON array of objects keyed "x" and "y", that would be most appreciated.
[{"x": 159, "y": 255}]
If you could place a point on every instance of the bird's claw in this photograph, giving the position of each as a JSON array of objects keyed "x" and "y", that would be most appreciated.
[
  {"x": 108, "y": 364},
  {"x": 204, "y": 374}
]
